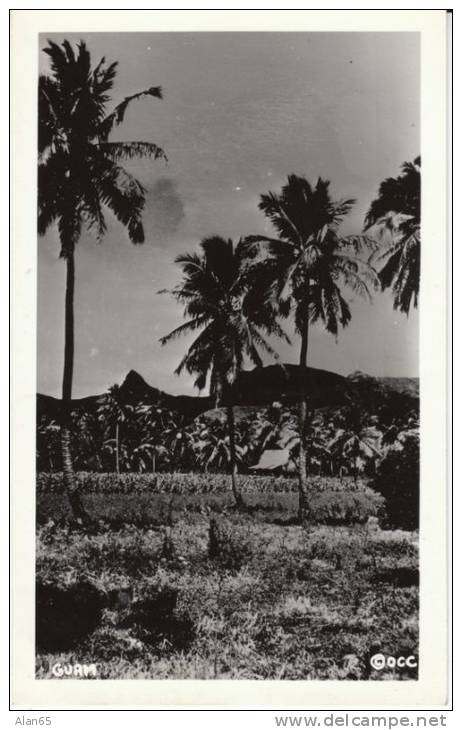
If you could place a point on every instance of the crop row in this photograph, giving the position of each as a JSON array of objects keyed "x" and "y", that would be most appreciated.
[{"x": 188, "y": 483}]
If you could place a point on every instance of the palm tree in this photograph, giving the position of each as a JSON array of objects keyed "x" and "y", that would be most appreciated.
[
  {"x": 395, "y": 213},
  {"x": 153, "y": 419},
  {"x": 272, "y": 428},
  {"x": 179, "y": 439},
  {"x": 87, "y": 439},
  {"x": 114, "y": 412},
  {"x": 305, "y": 270},
  {"x": 221, "y": 300},
  {"x": 79, "y": 176},
  {"x": 214, "y": 448},
  {"x": 318, "y": 455}
]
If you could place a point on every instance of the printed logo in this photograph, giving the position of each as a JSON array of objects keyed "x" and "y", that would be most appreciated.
[{"x": 381, "y": 661}]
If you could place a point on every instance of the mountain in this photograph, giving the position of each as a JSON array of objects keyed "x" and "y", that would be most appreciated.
[
  {"x": 264, "y": 385},
  {"x": 134, "y": 390},
  {"x": 260, "y": 387},
  {"x": 409, "y": 386}
]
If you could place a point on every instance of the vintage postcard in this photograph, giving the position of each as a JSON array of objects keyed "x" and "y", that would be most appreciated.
[{"x": 229, "y": 255}]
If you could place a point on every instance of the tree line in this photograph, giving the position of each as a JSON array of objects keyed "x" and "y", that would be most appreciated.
[{"x": 120, "y": 437}]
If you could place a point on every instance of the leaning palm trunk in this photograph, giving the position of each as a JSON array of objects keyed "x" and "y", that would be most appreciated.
[
  {"x": 69, "y": 477},
  {"x": 302, "y": 421},
  {"x": 233, "y": 459}
]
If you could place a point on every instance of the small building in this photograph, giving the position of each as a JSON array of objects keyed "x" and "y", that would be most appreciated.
[{"x": 276, "y": 461}]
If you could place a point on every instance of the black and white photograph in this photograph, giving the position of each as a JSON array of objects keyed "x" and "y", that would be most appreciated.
[{"x": 228, "y": 417}]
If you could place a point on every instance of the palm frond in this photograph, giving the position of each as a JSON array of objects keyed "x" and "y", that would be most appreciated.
[
  {"x": 341, "y": 208},
  {"x": 273, "y": 207},
  {"x": 78, "y": 170},
  {"x": 131, "y": 150},
  {"x": 117, "y": 116},
  {"x": 184, "y": 328},
  {"x": 124, "y": 195},
  {"x": 219, "y": 292},
  {"x": 400, "y": 195},
  {"x": 358, "y": 243}
]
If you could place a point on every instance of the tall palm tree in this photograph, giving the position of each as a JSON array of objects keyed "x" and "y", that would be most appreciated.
[
  {"x": 79, "y": 178},
  {"x": 221, "y": 300},
  {"x": 395, "y": 213},
  {"x": 305, "y": 270}
]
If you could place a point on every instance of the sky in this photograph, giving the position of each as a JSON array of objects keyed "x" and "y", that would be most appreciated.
[{"x": 240, "y": 112}]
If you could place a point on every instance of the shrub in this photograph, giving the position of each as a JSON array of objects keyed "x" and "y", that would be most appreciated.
[
  {"x": 397, "y": 479},
  {"x": 66, "y": 614},
  {"x": 225, "y": 546},
  {"x": 345, "y": 508},
  {"x": 168, "y": 551},
  {"x": 154, "y": 619}
]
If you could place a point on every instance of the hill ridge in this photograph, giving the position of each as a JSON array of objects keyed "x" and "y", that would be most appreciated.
[{"x": 260, "y": 386}]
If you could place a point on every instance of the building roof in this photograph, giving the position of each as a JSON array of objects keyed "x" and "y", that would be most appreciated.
[{"x": 273, "y": 459}]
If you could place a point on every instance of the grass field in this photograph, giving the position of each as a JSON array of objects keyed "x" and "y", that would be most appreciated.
[{"x": 249, "y": 598}]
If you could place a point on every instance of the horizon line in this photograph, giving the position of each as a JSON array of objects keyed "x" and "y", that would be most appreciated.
[{"x": 199, "y": 395}]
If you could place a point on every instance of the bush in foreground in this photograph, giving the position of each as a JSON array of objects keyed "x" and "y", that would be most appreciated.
[{"x": 397, "y": 480}]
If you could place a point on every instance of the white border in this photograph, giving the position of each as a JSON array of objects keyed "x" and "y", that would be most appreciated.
[{"x": 431, "y": 688}]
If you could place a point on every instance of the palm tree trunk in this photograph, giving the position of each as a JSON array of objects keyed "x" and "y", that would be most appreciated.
[
  {"x": 117, "y": 448},
  {"x": 153, "y": 462},
  {"x": 302, "y": 420},
  {"x": 68, "y": 472},
  {"x": 232, "y": 448}
]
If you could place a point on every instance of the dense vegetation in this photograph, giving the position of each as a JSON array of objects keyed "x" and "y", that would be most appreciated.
[
  {"x": 145, "y": 500},
  {"x": 397, "y": 479},
  {"x": 143, "y": 438},
  {"x": 160, "y": 553}
]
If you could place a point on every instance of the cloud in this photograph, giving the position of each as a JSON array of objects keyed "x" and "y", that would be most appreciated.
[{"x": 165, "y": 208}]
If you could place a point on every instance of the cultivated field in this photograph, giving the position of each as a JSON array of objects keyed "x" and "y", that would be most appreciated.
[{"x": 172, "y": 582}]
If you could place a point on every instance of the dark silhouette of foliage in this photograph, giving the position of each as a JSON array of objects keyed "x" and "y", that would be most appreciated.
[
  {"x": 397, "y": 479},
  {"x": 396, "y": 214},
  {"x": 66, "y": 615}
]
